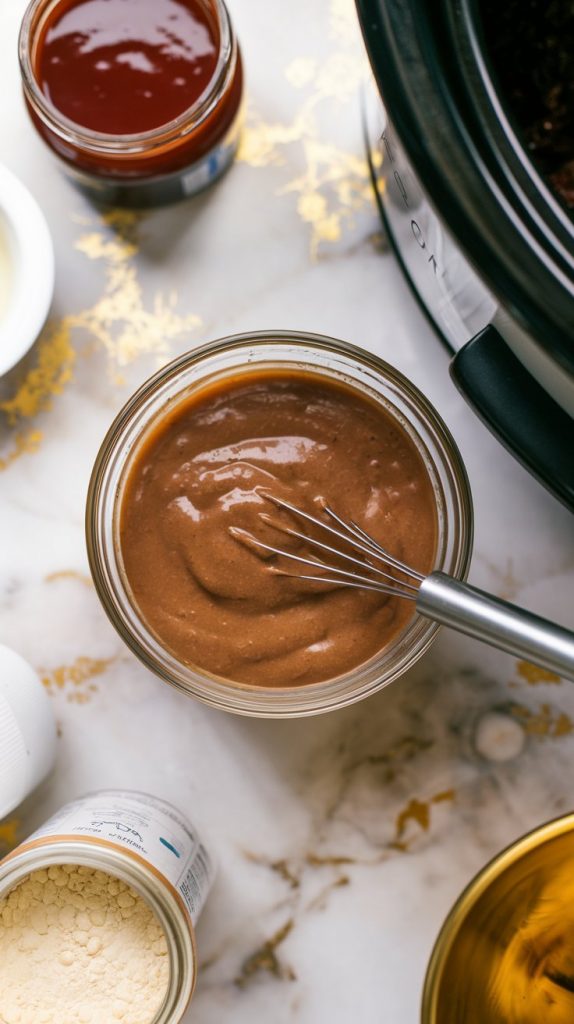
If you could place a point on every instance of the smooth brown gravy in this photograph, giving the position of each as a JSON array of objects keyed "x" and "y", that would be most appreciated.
[{"x": 219, "y": 604}]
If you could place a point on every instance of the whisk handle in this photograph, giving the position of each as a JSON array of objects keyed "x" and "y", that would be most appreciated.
[{"x": 497, "y": 622}]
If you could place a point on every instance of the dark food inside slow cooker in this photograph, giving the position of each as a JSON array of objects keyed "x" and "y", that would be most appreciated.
[{"x": 531, "y": 44}]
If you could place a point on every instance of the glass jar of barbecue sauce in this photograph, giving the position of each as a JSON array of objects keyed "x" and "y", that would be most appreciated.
[{"x": 140, "y": 99}]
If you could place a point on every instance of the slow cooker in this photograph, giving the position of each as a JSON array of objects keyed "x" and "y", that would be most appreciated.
[{"x": 486, "y": 245}]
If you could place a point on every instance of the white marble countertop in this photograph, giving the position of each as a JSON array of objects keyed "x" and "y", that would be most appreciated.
[{"x": 342, "y": 840}]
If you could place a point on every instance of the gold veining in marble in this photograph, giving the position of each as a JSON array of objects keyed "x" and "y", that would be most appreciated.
[
  {"x": 546, "y": 722},
  {"x": 321, "y": 900},
  {"x": 76, "y": 678},
  {"x": 23, "y": 443},
  {"x": 333, "y": 188},
  {"x": 314, "y": 860},
  {"x": 403, "y": 750},
  {"x": 120, "y": 244},
  {"x": 386, "y": 766},
  {"x": 333, "y": 184},
  {"x": 47, "y": 378},
  {"x": 120, "y": 321},
  {"x": 419, "y": 812},
  {"x": 279, "y": 867},
  {"x": 292, "y": 872},
  {"x": 265, "y": 959},
  {"x": 534, "y": 675},
  {"x": 508, "y": 583},
  {"x": 69, "y": 574}
]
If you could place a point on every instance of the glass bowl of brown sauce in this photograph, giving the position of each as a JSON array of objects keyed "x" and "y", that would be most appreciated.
[{"x": 188, "y": 471}]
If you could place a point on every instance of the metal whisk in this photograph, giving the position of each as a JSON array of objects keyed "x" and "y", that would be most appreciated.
[{"x": 437, "y": 596}]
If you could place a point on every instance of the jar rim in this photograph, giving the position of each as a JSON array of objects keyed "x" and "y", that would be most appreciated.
[
  {"x": 103, "y": 143},
  {"x": 244, "y": 699}
]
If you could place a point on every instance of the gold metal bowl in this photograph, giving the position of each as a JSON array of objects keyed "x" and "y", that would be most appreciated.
[{"x": 505, "y": 954}]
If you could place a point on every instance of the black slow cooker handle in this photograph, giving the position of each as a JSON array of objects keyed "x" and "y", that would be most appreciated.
[{"x": 514, "y": 407}]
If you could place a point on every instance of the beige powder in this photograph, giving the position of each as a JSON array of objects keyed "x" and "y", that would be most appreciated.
[{"x": 78, "y": 946}]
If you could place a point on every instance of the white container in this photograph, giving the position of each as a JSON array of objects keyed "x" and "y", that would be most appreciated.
[
  {"x": 146, "y": 843},
  {"x": 27, "y": 731},
  {"x": 26, "y": 270}
]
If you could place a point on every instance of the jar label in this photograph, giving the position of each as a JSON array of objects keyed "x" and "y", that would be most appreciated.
[
  {"x": 162, "y": 188},
  {"x": 211, "y": 167},
  {"x": 150, "y": 828}
]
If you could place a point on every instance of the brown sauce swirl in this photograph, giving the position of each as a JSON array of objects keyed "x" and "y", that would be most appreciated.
[{"x": 218, "y": 603}]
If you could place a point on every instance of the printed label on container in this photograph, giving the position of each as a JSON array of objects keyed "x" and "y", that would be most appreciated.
[
  {"x": 150, "y": 827},
  {"x": 206, "y": 171}
]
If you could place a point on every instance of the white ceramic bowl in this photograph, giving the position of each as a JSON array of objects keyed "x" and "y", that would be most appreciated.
[{"x": 26, "y": 270}]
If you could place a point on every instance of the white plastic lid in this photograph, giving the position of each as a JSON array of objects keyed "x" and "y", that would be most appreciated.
[{"x": 27, "y": 730}]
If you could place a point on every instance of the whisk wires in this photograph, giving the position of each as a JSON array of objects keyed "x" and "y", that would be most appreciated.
[{"x": 351, "y": 534}]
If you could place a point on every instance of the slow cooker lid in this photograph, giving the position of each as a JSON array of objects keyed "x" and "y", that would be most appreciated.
[{"x": 430, "y": 67}]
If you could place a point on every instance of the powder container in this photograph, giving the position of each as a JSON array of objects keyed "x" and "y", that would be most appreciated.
[{"x": 146, "y": 843}]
